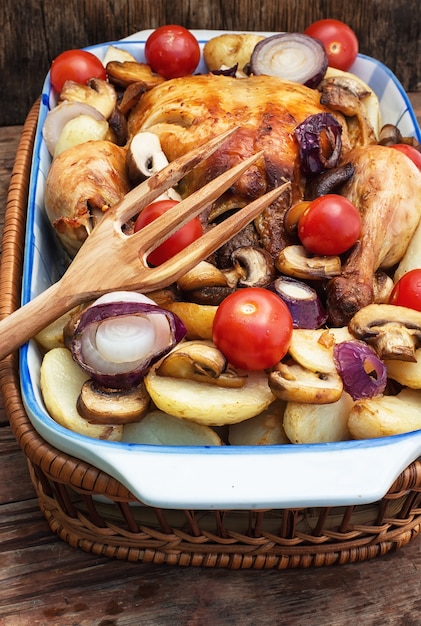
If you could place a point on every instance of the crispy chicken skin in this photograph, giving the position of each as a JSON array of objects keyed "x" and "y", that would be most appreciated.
[
  {"x": 386, "y": 188},
  {"x": 82, "y": 182},
  {"x": 186, "y": 112}
]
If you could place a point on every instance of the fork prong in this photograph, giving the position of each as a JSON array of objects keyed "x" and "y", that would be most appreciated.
[
  {"x": 152, "y": 235},
  {"x": 200, "y": 249},
  {"x": 146, "y": 192}
]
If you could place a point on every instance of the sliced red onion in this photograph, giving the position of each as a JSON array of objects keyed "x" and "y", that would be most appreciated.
[
  {"x": 309, "y": 133},
  {"x": 291, "y": 56},
  {"x": 58, "y": 117},
  {"x": 121, "y": 335},
  {"x": 305, "y": 306},
  {"x": 363, "y": 373}
]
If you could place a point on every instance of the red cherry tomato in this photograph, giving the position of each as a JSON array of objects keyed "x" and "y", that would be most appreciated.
[
  {"x": 172, "y": 51},
  {"x": 330, "y": 225},
  {"x": 407, "y": 291},
  {"x": 410, "y": 151},
  {"x": 339, "y": 39},
  {"x": 252, "y": 328},
  {"x": 176, "y": 242},
  {"x": 76, "y": 65}
]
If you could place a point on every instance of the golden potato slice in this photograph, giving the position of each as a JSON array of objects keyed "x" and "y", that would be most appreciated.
[
  {"x": 318, "y": 423},
  {"x": 229, "y": 49},
  {"x": 159, "y": 428},
  {"x": 313, "y": 349},
  {"x": 197, "y": 318},
  {"x": 405, "y": 372},
  {"x": 208, "y": 404},
  {"x": 61, "y": 380},
  {"x": 52, "y": 335},
  {"x": 386, "y": 415},
  {"x": 263, "y": 430}
]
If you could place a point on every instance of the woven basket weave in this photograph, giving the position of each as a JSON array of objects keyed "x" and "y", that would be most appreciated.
[{"x": 91, "y": 510}]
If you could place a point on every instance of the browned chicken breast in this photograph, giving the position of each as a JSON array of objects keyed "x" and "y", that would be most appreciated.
[{"x": 185, "y": 112}]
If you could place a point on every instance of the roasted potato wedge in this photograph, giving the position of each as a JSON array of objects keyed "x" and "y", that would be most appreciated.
[
  {"x": 197, "y": 318},
  {"x": 229, "y": 49},
  {"x": 209, "y": 404},
  {"x": 159, "y": 428},
  {"x": 263, "y": 430},
  {"x": 318, "y": 423},
  {"x": 386, "y": 415},
  {"x": 61, "y": 380},
  {"x": 405, "y": 372}
]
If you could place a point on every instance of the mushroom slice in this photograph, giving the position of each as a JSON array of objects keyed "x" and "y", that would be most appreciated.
[
  {"x": 254, "y": 266},
  {"x": 294, "y": 383},
  {"x": 145, "y": 156},
  {"x": 124, "y": 73},
  {"x": 97, "y": 93},
  {"x": 204, "y": 274},
  {"x": 100, "y": 405},
  {"x": 200, "y": 361},
  {"x": 296, "y": 262},
  {"x": 393, "y": 331}
]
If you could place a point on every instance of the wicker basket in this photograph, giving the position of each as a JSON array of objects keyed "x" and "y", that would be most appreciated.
[{"x": 91, "y": 510}]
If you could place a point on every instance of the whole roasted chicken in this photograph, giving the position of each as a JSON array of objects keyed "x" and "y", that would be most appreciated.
[
  {"x": 186, "y": 112},
  {"x": 386, "y": 189}
]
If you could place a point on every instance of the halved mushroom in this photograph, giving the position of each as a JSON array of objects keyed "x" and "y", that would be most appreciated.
[
  {"x": 124, "y": 73},
  {"x": 389, "y": 135},
  {"x": 347, "y": 93},
  {"x": 254, "y": 266},
  {"x": 294, "y": 383},
  {"x": 393, "y": 331},
  {"x": 295, "y": 261},
  {"x": 204, "y": 274},
  {"x": 144, "y": 156},
  {"x": 97, "y": 93},
  {"x": 100, "y": 405},
  {"x": 200, "y": 361}
]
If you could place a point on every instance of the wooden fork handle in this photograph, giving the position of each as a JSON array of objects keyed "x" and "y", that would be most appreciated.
[{"x": 24, "y": 323}]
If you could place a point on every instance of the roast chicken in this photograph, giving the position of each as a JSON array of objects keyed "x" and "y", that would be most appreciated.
[
  {"x": 386, "y": 189},
  {"x": 185, "y": 112}
]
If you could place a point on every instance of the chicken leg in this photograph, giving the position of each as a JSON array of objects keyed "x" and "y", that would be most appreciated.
[{"x": 386, "y": 189}]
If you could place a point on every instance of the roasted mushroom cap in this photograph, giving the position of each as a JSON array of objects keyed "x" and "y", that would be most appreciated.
[
  {"x": 100, "y": 405},
  {"x": 295, "y": 383},
  {"x": 97, "y": 93},
  {"x": 200, "y": 361},
  {"x": 393, "y": 331},
  {"x": 295, "y": 261},
  {"x": 144, "y": 156},
  {"x": 254, "y": 266}
]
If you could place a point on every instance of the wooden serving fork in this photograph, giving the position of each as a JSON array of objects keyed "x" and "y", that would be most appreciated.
[{"x": 124, "y": 266}]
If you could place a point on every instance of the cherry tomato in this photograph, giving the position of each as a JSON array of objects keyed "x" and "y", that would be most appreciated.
[
  {"x": 77, "y": 65},
  {"x": 330, "y": 225},
  {"x": 407, "y": 291},
  {"x": 410, "y": 151},
  {"x": 252, "y": 328},
  {"x": 172, "y": 51},
  {"x": 339, "y": 40},
  {"x": 176, "y": 242}
]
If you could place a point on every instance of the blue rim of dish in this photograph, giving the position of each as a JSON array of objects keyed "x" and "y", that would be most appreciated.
[{"x": 38, "y": 413}]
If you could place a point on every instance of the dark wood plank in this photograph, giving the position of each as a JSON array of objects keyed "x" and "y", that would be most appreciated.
[{"x": 34, "y": 33}]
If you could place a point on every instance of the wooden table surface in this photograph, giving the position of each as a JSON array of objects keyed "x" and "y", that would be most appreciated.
[{"x": 45, "y": 581}]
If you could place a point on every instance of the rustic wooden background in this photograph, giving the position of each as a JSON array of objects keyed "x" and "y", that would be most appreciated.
[{"x": 35, "y": 31}]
